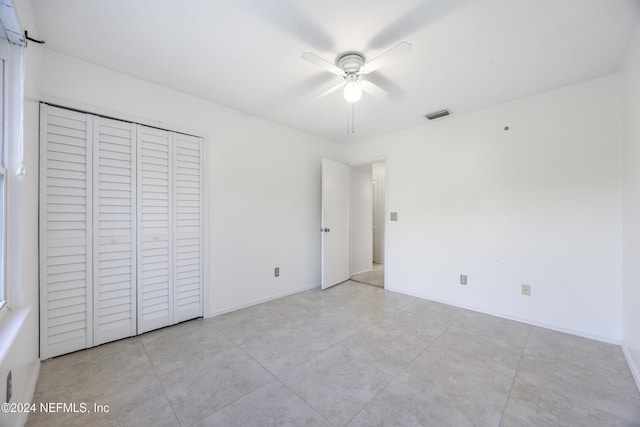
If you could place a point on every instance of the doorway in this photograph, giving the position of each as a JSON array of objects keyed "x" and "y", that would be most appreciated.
[{"x": 368, "y": 197}]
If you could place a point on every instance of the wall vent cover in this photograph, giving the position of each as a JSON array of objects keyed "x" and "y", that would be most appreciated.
[{"x": 437, "y": 114}]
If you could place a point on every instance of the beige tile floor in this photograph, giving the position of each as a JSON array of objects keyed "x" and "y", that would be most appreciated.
[
  {"x": 354, "y": 354},
  {"x": 374, "y": 277}
]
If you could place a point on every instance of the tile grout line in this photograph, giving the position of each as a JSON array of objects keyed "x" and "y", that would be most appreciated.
[
  {"x": 488, "y": 335},
  {"x": 239, "y": 347},
  {"x": 277, "y": 378},
  {"x": 302, "y": 399},
  {"x": 406, "y": 366},
  {"x": 515, "y": 375},
  {"x": 175, "y": 414}
]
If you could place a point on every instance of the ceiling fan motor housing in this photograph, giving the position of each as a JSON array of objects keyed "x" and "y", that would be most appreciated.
[{"x": 351, "y": 62}]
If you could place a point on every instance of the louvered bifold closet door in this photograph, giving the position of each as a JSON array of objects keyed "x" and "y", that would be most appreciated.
[
  {"x": 114, "y": 254},
  {"x": 65, "y": 231},
  {"x": 187, "y": 192},
  {"x": 155, "y": 284}
]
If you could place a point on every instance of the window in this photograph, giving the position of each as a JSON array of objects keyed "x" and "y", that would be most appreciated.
[{"x": 3, "y": 170}]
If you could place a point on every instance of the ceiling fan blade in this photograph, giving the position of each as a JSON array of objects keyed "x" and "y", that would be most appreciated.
[
  {"x": 394, "y": 91},
  {"x": 373, "y": 89},
  {"x": 290, "y": 18},
  {"x": 321, "y": 62},
  {"x": 421, "y": 16},
  {"x": 395, "y": 52},
  {"x": 328, "y": 91}
]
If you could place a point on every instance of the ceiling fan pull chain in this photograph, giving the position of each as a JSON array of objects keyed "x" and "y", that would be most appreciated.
[
  {"x": 353, "y": 118},
  {"x": 348, "y": 122}
]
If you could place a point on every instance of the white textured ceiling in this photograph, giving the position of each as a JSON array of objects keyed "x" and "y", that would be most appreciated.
[{"x": 245, "y": 54}]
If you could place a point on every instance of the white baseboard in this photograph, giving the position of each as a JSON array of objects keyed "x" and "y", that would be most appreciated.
[
  {"x": 557, "y": 328},
  {"x": 360, "y": 272},
  {"x": 632, "y": 365},
  {"x": 31, "y": 389},
  {"x": 259, "y": 301}
]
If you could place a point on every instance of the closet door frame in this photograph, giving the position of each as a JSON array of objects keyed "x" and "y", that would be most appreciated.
[{"x": 91, "y": 243}]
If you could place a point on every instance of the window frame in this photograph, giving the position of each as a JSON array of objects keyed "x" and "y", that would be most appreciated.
[{"x": 4, "y": 51}]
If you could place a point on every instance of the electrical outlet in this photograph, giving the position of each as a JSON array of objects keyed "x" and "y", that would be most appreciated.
[
  {"x": 9, "y": 387},
  {"x": 276, "y": 271},
  {"x": 526, "y": 290},
  {"x": 463, "y": 279}
]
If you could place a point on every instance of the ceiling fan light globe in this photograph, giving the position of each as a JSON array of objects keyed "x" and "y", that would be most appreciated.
[{"x": 352, "y": 91}]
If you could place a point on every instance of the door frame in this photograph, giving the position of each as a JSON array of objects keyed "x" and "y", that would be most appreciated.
[{"x": 370, "y": 161}]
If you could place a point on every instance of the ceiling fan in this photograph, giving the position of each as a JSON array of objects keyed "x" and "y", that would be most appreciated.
[{"x": 351, "y": 66}]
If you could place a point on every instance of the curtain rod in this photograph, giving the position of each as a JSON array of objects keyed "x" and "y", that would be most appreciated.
[{"x": 26, "y": 36}]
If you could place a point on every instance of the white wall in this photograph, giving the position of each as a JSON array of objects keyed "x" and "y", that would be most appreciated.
[
  {"x": 539, "y": 204},
  {"x": 631, "y": 210},
  {"x": 263, "y": 179},
  {"x": 379, "y": 212},
  {"x": 361, "y": 239}
]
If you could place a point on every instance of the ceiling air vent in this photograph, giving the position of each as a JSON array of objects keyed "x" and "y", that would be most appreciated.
[{"x": 437, "y": 114}]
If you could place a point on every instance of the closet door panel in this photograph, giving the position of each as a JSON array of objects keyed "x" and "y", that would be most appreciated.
[
  {"x": 114, "y": 253},
  {"x": 187, "y": 191},
  {"x": 155, "y": 273},
  {"x": 65, "y": 231}
]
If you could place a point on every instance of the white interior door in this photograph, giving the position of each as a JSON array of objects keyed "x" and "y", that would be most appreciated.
[{"x": 336, "y": 183}]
